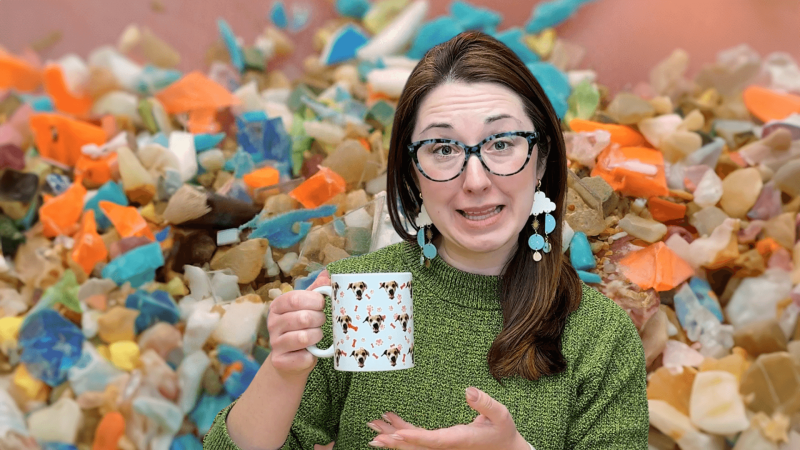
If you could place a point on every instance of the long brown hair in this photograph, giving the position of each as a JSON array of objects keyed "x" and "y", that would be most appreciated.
[{"x": 536, "y": 297}]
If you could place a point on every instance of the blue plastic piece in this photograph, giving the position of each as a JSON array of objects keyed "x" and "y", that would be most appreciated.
[
  {"x": 161, "y": 139},
  {"x": 429, "y": 250},
  {"x": 580, "y": 252},
  {"x": 154, "y": 79},
  {"x": 263, "y": 139},
  {"x": 205, "y": 141},
  {"x": 304, "y": 282},
  {"x": 343, "y": 44},
  {"x": 278, "y": 230},
  {"x": 156, "y": 306},
  {"x": 58, "y": 183},
  {"x": 555, "y": 84},
  {"x": 474, "y": 18},
  {"x": 237, "y": 382},
  {"x": 57, "y": 446},
  {"x": 300, "y": 16},
  {"x": 235, "y": 52},
  {"x": 433, "y": 33},
  {"x": 340, "y": 227},
  {"x": 421, "y": 237},
  {"x": 207, "y": 408},
  {"x": 365, "y": 67},
  {"x": 706, "y": 297},
  {"x": 352, "y": 8},
  {"x": 552, "y": 13},
  {"x": 589, "y": 277},
  {"x": 109, "y": 192},
  {"x": 186, "y": 442},
  {"x": 137, "y": 266},
  {"x": 39, "y": 103},
  {"x": 241, "y": 164},
  {"x": 50, "y": 345},
  {"x": 513, "y": 39},
  {"x": 278, "y": 15},
  {"x": 162, "y": 235},
  {"x": 239, "y": 192},
  {"x": 686, "y": 303}
]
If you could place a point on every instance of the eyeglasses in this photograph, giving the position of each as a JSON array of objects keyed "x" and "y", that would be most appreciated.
[{"x": 502, "y": 154}]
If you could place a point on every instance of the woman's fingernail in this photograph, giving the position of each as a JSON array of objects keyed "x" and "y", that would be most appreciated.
[
  {"x": 376, "y": 444},
  {"x": 396, "y": 437},
  {"x": 386, "y": 418},
  {"x": 374, "y": 427},
  {"x": 472, "y": 394}
]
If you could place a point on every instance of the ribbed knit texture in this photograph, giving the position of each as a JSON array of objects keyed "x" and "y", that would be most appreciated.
[{"x": 599, "y": 402}]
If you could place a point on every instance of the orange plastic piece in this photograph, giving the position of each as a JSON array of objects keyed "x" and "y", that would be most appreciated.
[
  {"x": 665, "y": 210},
  {"x": 365, "y": 143},
  {"x": 374, "y": 97},
  {"x": 634, "y": 171},
  {"x": 203, "y": 121},
  {"x": 235, "y": 366},
  {"x": 60, "y": 138},
  {"x": 195, "y": 91},
  {"x": 89, "y": 248},
  {"x": 127, "y": 220},
  {"x": 96, "y": 172},
  {"x": 63, "y": 99},
  {"x": 767, "y": 104},
  {"x": 60, "y": 214},
  {"x": 767, "y": 245},
  {"x": 266, "y": 176},
  {"x": 656, "y": 266},
  {"x": 319, "y": 188},
  {"x": 620, "y": 134},
  {"x": 15, "y": 73},
  {"x": 109, "y": 431}
]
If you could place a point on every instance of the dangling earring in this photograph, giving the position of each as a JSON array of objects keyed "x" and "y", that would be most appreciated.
[
  {"x": 541, "y": 204},
  {"x": 424, "y": 236}
]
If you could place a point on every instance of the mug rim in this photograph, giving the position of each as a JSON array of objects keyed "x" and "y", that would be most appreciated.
[{"x": 369, "y": 273}]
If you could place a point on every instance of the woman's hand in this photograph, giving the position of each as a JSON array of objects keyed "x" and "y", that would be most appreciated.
[
  {"x": 294, "y": 322},
  {"x": 493, "y": 429}
]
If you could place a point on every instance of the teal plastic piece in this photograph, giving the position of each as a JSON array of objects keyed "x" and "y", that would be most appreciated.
[
  {"x": 580, "y": 252},
  {"x": 235, "y": 52},
  {"x": 555, "y": 84},
  {"x": 475, "y": 18},
  {"x": 137, "y": 266},
  {"x": 433, "y": 33}
]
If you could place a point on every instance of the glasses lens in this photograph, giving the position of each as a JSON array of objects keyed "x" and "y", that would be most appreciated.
[
  {"x": 441, "y": 161},
  {"x": 505, "y": 155}
]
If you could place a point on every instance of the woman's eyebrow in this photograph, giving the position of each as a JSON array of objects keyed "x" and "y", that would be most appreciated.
[
  {"x": 491, "y": 119},
  {"x": 437, "y": 125}
]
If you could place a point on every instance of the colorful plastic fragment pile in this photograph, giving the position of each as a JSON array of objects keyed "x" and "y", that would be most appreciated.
[{"x": 149, "y": 216}]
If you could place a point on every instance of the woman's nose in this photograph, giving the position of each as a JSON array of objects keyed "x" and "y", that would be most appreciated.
[{"x": 476, "y": 178}]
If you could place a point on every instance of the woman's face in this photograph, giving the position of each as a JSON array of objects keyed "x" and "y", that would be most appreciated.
[{"x": 477, "y": 212}]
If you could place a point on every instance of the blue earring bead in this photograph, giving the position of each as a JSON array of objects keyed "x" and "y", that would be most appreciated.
[
  {"x": 549, "y": 223},
  {"x": 546, "y": 247},
  {"x": 421, "y": 237},
  {"x": 429, "y": 250},
  {"x": 536, "y": 242}
]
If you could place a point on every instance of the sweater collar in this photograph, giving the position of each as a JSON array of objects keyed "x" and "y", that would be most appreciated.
[{"x": 465, "y": 289}]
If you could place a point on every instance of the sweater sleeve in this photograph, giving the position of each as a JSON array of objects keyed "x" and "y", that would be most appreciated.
[
  {"x": 611, "y": 410},
  {"x": 317, "y": 418}
]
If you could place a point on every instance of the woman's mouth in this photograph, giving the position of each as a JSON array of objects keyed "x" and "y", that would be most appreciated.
[{"x": 484, "y": 214}]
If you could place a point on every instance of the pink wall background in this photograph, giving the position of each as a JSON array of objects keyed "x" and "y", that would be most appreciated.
[{"x": 624, "y": 39}]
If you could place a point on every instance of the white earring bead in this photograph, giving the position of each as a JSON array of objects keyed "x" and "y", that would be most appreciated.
[{"x": 423, "y": 219}]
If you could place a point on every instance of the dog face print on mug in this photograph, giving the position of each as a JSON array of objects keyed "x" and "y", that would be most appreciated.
[{"x": 372, "y": 322}]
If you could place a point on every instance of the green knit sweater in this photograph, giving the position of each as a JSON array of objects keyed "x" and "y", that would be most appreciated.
[{"x": 599, "y": 402}]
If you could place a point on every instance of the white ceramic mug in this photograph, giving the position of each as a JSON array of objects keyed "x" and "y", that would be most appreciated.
[{"x": 373, "y": 322}]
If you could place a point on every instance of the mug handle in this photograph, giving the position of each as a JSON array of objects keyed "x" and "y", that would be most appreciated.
[{"x": 327, "y": 353}]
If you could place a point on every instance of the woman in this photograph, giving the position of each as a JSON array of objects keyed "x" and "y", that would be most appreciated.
[{"x": 512, "y": 351}]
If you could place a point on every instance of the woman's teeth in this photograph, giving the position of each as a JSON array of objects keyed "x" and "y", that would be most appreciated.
[{"x": 482, "y": 216}]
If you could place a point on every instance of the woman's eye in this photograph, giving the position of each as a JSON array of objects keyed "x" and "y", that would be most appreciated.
[
  {"x": 445, "y": 150},
  {"x": 500, "y": 145}
]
